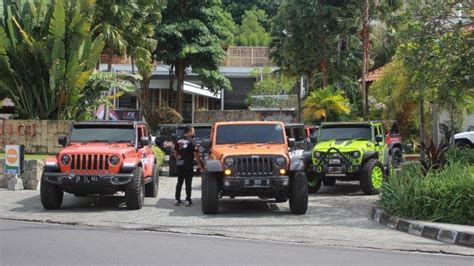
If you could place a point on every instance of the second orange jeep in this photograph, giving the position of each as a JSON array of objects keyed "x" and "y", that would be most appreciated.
[{"x": 251, "y": 159}]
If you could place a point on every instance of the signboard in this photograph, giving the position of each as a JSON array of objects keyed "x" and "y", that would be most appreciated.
[
  {"x": 14, "y": 156},
  {"x": 119, "y": 114}
]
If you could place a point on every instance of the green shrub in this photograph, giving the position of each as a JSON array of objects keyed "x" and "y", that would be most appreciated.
[
  {"x": 445, "y": 195},
  {"x": 160, "y": 155},
  {"x": 457, "y": 155}
]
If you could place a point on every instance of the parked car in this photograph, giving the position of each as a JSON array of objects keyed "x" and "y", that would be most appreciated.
[
  {"x": 349, "y": 151},
  {"x": 252, "y": 159},
  {"x": 298, "y": 132},
  {"x": 394, "y": 143},
  {"x": 102, "y": 158},
  {"x": 168, "y": 134},
  {"x": 464, "y": 140}
]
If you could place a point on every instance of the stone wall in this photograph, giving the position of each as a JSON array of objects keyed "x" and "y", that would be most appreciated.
[
  {"x": 31, "y": 176},
  {"x": 38, "y": 136},
  {"x": 227, "y": 115}
]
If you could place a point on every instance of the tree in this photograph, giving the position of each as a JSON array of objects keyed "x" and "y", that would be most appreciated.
[
  {"x": 47, "y": 59},
  {"x": 270, "y": 83},
  {"x": 430, "y": 33},
  {"x": 326, "y": 103},
  {"x": 318, "y": 39},
  {"x": 237, "y": 8},
  {"x": 190, "y": 36},
  {"x": 251, "y": 32}
]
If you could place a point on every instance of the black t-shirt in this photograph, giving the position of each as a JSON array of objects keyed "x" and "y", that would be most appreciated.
[{"x": 185, "y": 148}]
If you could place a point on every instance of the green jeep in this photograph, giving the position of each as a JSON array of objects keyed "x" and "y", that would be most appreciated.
[{"x": 349, "y": 151}]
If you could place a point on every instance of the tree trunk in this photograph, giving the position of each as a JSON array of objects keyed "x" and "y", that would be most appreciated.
[
  {"x": 299, "y": 100},
  {"x": 422, "y": 125},
  {"x": 435, "y": 124},
  {"x": 323, "y": 65},
  {"x": 109, "y": 92},
  {"x": 180, "y": 86},
  {"x": 365, "y": 57}
]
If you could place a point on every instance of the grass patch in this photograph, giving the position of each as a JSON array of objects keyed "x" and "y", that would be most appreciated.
[{"x": 446, "y": 195}]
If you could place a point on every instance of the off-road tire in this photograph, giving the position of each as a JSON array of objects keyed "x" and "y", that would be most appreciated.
[
  {"x": 397, "y": 157},
  {"x": 463, "y": 145},
  {"x": 209, "y": 194},
  {"x": 51, "y": 195},
  {"x": 329, "y": 182},
  {"x": 151, "y": 189},
  {"x": 135, "y": 190},
  {"x": 298, "y": 193},
  {"x": 366, "y": 177}
]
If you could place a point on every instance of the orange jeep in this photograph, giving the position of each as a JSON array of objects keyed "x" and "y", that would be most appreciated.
[
  {"x": 251, "y": 159},
  {"x": 102, "y": 158}
]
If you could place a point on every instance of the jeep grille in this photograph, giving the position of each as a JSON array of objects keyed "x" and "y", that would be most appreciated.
[
  {"x": 255, "y": 166},
  {"x": 90, "y": 162}
]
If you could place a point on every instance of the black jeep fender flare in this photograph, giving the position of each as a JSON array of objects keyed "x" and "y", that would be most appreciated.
[
  {"x": 297, "y": 165},
  {"x": 370, "y": 155},
  {"x": 214, "y": 166},
  {"x": 394, "y": 145}
]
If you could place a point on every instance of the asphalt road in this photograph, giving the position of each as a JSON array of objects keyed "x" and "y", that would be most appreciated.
[{"x": 24, "y": 243}]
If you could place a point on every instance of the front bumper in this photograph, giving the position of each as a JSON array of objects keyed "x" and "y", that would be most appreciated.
[
  {"x": 255, "y": 186},
  {"x": 86, "y": 180},
  {"x": 334, "y": 170}
]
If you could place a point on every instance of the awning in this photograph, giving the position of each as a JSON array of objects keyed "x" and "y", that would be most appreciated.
[{"x": 191, "y": 88}]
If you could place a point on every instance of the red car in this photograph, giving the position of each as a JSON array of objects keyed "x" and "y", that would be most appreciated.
[
  {"x": 102, "y": 158},
  {"x": 394, "y": 143}
]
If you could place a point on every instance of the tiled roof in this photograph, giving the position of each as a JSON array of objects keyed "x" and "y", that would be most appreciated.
[{"x": 374, "y": 74}]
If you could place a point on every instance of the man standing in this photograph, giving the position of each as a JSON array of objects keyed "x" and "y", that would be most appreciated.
[{"x": 186, "y": 152}]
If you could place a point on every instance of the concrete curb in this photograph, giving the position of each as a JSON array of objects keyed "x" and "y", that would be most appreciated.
[{"x": 418, "y": 229}]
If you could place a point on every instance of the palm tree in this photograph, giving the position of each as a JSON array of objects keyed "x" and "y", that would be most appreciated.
[
  {"x": 321, "y": 103},
  {"x": 47, "y": 59}
]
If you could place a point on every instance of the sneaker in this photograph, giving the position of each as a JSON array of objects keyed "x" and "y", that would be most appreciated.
[
  {"x": 189, "y": 203},
  {"x": 178, "y": 202}
]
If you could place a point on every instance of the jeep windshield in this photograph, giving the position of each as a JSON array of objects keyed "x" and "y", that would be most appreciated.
[
  {"x": 244, "y": 134},
  {"x": 345, "y": 132},
  {"x": 102, "y": 133}
]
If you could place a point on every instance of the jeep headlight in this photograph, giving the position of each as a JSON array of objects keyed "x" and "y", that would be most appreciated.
[
  {"x": 356, "y": 154},
  {"x": 114, "y": 160},
  {"x": 317, "y": 154},
  {"x": 65, "y": 159},
  {"x": 229, "y": 161},
  {"x": 280, "y": 161}
]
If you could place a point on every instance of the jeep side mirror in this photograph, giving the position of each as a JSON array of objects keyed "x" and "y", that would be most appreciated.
[
  {"x": 291, "y": 142},
  {"x": 378, "y": 138},
  {"x": 144, "y": 141},
  {"x": 206, "y": 144},
  {"x": 62, "y": 140}
]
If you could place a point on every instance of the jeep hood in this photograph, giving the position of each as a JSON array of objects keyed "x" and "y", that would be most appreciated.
[
  {"x": 98, "y": 148},
  {"x": 221, "y": 151},
  {"x": 344, "y": 145}
]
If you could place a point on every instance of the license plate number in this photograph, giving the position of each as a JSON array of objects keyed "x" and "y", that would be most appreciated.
[
  {"x": 334, "y": 161},
  {"x": 335, "y": 170},
  {"x": 86, "y": 179},
  {"x": 257, "y": 183}
]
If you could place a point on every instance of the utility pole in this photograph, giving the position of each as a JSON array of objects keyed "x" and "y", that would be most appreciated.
[{"x": 365, "y": 58}]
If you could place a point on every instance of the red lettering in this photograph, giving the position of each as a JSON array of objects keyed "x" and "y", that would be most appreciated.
[{"x": 21, "y": 130}]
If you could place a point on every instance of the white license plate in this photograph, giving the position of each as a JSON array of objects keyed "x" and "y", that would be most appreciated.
[
  {"x": 335, "y": 170},
  {"x": 86, "y": 179},
  {"x": 296, "y": 153},
  {"x": 334, "y": 161},
  {"x": 257, "y": 183}
]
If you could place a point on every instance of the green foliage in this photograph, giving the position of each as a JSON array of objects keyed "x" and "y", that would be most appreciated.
[
  {"x": 237, "y": 8},
  {"x": 320, "y": 42},
  {"x": 160, "y": 155},
  {"x": 228, "y": 26},
  {"x": 47, "y": 60},
  {"x": 441, "y": 196},
  {"x": 326, "y": 104},
  {"x": 270, "y": 84},
  {"x": 252, "y": 32},
  {"x": 163, "y": 115},
  {"x": 190, "y": 35}
]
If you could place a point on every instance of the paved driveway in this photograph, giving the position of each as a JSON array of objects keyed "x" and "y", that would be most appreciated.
[{"x": 337, "y": 216}]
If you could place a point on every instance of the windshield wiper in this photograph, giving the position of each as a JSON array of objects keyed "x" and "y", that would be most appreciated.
[
  {"x": 268, "y": 142},
  {"x": 241, "y": 143}
]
